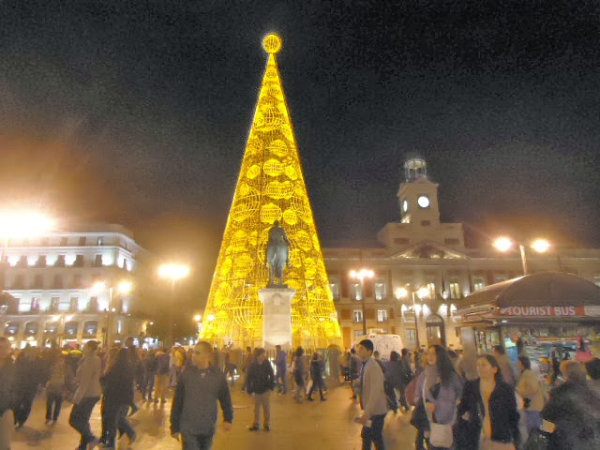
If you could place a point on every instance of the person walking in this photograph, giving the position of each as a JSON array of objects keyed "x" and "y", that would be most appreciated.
[
  {"x": 149, "y": 362},
  {"x": 355, "y": 366},
  {"x": 136, "y": 367},
  {"x": 488, "y": 417},
  {"x": 316, "y": 375},
  {"x": 572, "y": 414},
  {"x": 281, "y": 367},
  {"x": 372, "y": 398},
  {"x": 530, "y": 388},
  {"x": 87, "y": 394},
  {"x": 118, "y": 396},
  {"x": 162, "y": 376},
  {"x": 56, "y": 387},
  {"x": 248, "y": 360},
  {"x": 194, "y": 409},
  {"x": 7, "y": 386},
  {"x": 261, "y": 381},
  {"x": 27, "y": 379},
  {"x": 299, "y": 372},
  {"x": 396, "y": 377}
]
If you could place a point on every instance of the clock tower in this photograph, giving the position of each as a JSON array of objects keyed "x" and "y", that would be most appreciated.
[{"x": 418, "y": 195}]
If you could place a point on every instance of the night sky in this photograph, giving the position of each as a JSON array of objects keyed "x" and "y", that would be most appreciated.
[{"x": 138, "y": 112}]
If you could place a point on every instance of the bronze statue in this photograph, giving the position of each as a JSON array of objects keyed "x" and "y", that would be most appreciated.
[{"x": 278, "y": 254}]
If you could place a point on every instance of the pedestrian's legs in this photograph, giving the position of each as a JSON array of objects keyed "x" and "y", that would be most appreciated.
[
  {"x": 257, "y": 404},
  {"x": 311, "y": 390},
  {"x": 6, "y": 428},
  {"x": 123, "y": 424},
  {"x": 420, "y": 439},
  {"x": 284, "y": 381},
  {"x": 111, "y": 418},
  {"x": 80, "y": 419},
  {"x": 58, "y": 400},
  {"x": 266, "y": 404},
  {"x": 50, "y": 398},
  {"x": 196, "y": 441}
]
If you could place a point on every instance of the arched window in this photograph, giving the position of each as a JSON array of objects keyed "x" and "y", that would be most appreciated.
[{"x": 90, "y": 328}]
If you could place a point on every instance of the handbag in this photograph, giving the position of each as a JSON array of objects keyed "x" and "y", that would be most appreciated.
[
  {"x": 440, "y": 434},
  {"x": 538, "y": 440}
]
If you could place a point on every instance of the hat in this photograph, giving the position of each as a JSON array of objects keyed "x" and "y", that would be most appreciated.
[{"x": 367, "y": 343}]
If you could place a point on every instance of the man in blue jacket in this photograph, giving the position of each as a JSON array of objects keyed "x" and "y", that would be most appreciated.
[{"x": 194, "y": 410}]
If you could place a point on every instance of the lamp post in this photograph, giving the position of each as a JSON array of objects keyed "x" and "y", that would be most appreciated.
[
  {"x": 421, "y": 293},
  {"x": 173, "y": 272},
  {"x": 361, "y": 275},
  {"x": 504, "y": 244},
  {"x": 123, "y": 288}
]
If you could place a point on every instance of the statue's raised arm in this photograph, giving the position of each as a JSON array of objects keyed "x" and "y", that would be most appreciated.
[{"x": 277, "y": 254}]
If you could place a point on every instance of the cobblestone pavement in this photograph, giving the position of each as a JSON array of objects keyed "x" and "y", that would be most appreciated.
[{"x": 306, "y": 426}]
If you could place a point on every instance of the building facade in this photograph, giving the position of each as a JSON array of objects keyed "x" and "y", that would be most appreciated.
[
  {"x": 423, "y": 270},
  {"x": 69, "y": 286}
]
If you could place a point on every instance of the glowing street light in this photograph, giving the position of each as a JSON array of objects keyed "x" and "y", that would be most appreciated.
[
  {"x": 124, "y": 287},
  {"x": 173, "y": 272},
  {"x": 504, "y": 244},
  {"x": 421, "y": 293},
  {"x": 361, "y": 275}
]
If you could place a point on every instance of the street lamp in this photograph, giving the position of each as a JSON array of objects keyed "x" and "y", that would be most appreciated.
[
  {"x": 124, "y": 287},
  {"x": 421, "y": 293},
  {"x": 504, "y": 244},
  {"x": 361, "y": 275},
  {"x": 173, "y": 272}
]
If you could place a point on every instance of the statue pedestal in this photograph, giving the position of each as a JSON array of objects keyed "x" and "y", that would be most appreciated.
[{"x": 277, "y": 316}]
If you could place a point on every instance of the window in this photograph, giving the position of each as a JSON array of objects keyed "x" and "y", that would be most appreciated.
[
  {"x": 82, "y": 240},
  {"x": 51, "y": 328},
  {"x": 455, "y": 291},
  {"x": 31, "y": 328},
  {"x": 356, "y": 291},
  {"x": 11, "y": 328},
  {"x": 60, "y": 261},
  {"x": 22, "y": 262},
  {"x": 41, "y": 261},
  {"x": 93, "y": 304},
  {"x": 90, "y": 329},
  {"x": 74, "y": 304},
  {"x": 100, "y": 241},
  {"x": 335, "y": 290},
  {"x": 451, "y": 241},
  {"x": 411, "y": 337},
  {"x": 98, "y": 261},
  {"x": 478, "y": 283},
  {"x": 54, "y": 304},
  {"x": 382, "y": 315},
  {"x": 71, "y": 329},
  {"x": 380, "y": 293},
  {"x": 78, "y": 261},
  {"x": 35, "y": 304},
  {"x": 357, "y": 316}
]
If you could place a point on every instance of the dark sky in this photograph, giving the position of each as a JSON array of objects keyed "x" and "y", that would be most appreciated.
[{"x": 138, "y": 112}]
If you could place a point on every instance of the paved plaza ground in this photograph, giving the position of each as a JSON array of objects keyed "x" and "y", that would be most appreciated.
[{"x": 306, "y": 426}]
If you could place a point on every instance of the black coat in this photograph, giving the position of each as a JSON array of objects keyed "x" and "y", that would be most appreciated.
[
  {"x": 117, "y": 385},
  {"x": 502, "y": 407},
  {"x": 260, "y": 377},
  {"x": 7, "y": 385},
  {"x": 575, "y": 411}
]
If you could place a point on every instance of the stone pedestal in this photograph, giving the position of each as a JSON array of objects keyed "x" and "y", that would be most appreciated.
[{"x": 277, "y": 316}]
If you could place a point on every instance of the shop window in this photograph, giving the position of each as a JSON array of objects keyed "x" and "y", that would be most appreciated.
[
  {"x": 51, "y": 328},
  {"x": 356, "y": 291},
  {"x": 382, "y": 315},
  {"x": 31, "y": 328},
  {"x": 455, "y": 291},
  {"x": 11, "y": 328},
  {"x": 357, "y": 316},
  {"x": 90, "y": 328},
  {"x": 71, "y": 329},
  {"x": 380, "y": 293}
]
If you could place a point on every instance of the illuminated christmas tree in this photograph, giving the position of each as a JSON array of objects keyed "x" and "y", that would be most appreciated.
[{"x": 270, "y": 187}]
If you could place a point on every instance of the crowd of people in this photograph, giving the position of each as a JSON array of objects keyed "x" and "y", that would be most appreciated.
[
  {"x": 499, "y": 406},
  {"x": 496, "y": 404}
]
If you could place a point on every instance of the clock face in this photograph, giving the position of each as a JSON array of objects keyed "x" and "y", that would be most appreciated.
[
  {"x": 404, "y": 206},
  {"x": 423, "y": 201}
]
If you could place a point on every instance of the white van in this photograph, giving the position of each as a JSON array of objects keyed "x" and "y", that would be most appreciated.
[{"x": 383, "y": 343}]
